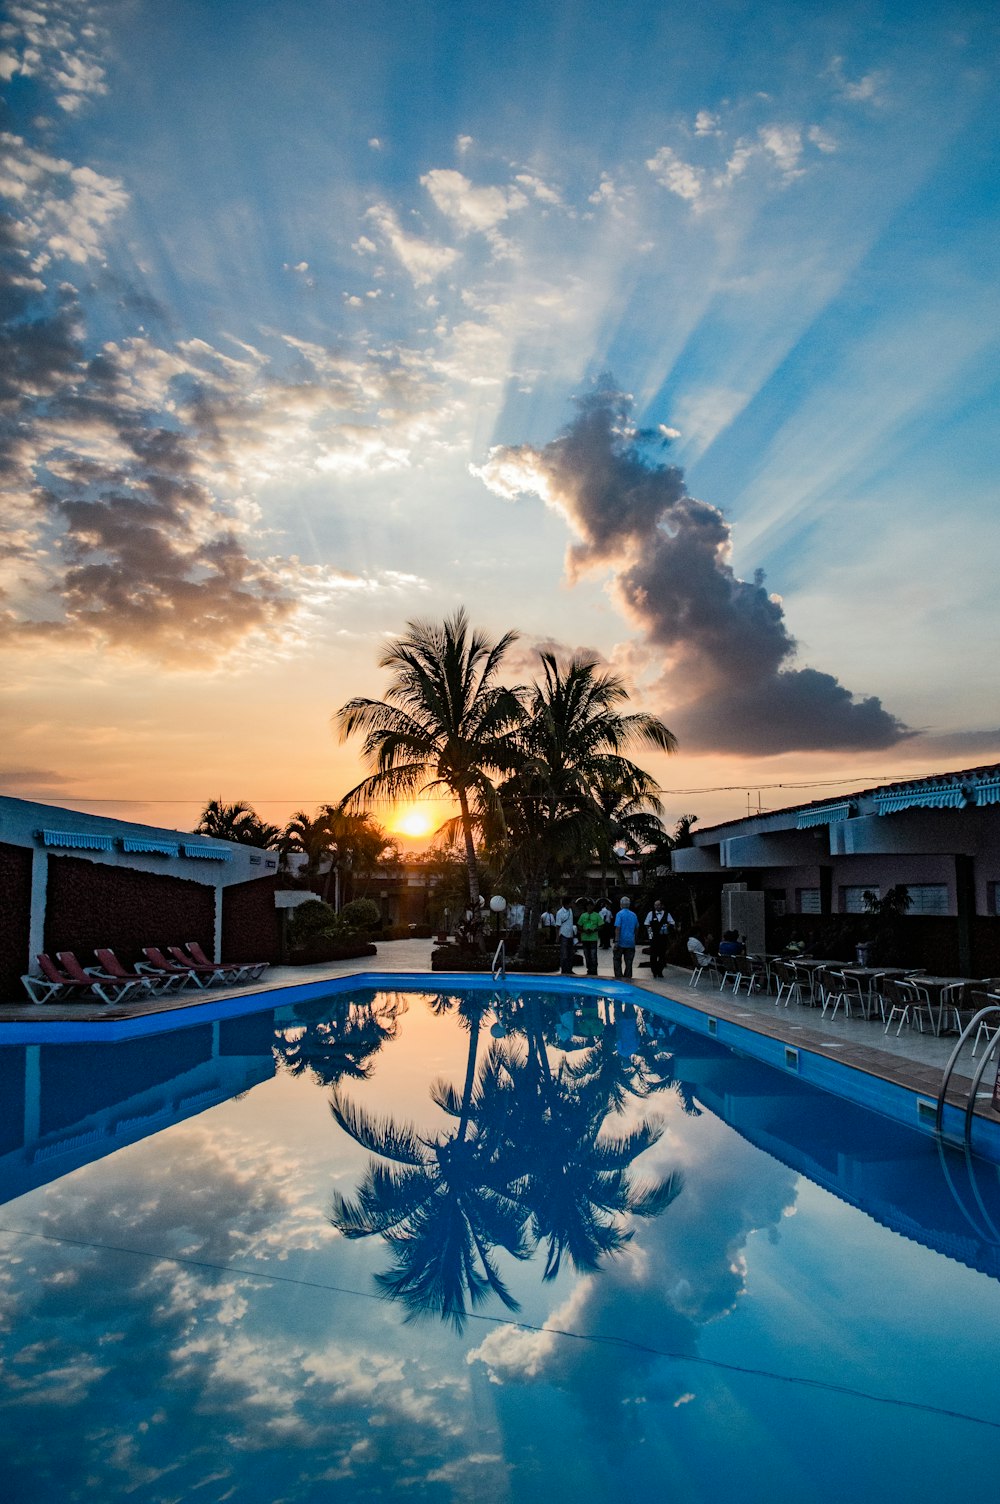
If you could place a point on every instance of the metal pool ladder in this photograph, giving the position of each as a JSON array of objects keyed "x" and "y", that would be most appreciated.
[
  {"x": 499, "y": 967},
  {"x": 978, "y": 1022}
]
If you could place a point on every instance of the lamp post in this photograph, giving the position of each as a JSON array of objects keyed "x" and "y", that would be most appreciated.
[{"x": 498, "y": 905}]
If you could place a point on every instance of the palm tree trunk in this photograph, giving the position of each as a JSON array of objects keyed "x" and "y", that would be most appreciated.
[{"x": 470, "y": 854}]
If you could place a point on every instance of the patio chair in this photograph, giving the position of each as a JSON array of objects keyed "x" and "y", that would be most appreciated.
[
  {"x": 805, "y": 978},
  {"x": 156, "y": 964},
  {"x": 904, "y": 1004},
  {"x": 789, "y": 985},
  {"x": 53, "y": 986},
  {"x": 246, "y": 971},
  {"x": 729, "y": 972},
  {"x": 989, "y": 1029},
  {"x": 120, "y": 991},
  {"x": 114, "y": 968},
  {"x": 210, "y": 972},
  {"x": 832, "y": 990},
  {"x": 701, "y": 964},
  {"x": 63, "y": 988},
  {"x": 749, "y": 972}
]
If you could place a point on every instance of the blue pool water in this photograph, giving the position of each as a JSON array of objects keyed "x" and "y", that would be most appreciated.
[{"x": 596, "y": 1253}]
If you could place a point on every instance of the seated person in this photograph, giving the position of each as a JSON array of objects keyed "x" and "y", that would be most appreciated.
[
  {"x": 696, "y": 948},
  {"x": 731, "y": 944}
]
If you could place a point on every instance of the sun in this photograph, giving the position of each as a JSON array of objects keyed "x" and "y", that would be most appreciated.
[{"x": 416, "y": 822}]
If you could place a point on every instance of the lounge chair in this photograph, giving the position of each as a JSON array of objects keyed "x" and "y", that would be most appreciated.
[
  {"x": 205, "y": 969},
  {"x": 55, "y": 986},
  {"x": 248, "y": 971},
  {"x": 157, "y": 965},
  {"x": 114, "y": 968},
  {"x": 120, "y": 989}
]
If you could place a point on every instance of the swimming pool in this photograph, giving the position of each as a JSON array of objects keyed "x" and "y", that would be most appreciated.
[{"x": 755, "y": 1289}]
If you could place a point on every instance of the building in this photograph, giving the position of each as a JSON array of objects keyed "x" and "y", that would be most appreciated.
[
  {"x": 938, "y": 836},
  {"x": 71, "y": 881}
]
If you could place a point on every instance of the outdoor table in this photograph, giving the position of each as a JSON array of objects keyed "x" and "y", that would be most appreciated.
[{"x": 938, "y": 986}]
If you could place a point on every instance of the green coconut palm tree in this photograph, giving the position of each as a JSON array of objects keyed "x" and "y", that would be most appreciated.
[
  {"x": 572, "y": 771},
  {"x": 444, "y": 726}
]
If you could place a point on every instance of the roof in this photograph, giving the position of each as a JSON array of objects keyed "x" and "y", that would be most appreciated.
[{"x": 962, "y": 789}]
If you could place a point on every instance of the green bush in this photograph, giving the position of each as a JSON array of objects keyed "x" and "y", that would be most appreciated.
[
  {"x": 362, "y": 914},
  {"x": 309, "y": 919}
]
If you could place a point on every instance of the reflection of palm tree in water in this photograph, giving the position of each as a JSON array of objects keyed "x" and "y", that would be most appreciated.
[
  {"x": 441, "y": 1204},
  {"x": 526, "y": 1164},
  {"x": 338, "y": 1038}
]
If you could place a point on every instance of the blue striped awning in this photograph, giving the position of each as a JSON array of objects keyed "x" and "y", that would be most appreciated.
[
  {"x": 150, "y": 844},
  {"x": 829, "y": 814},
  {"x": 988, "y": 792},
  {"x": 76, "y": 840},
  {"x": 946, "y": 796},
  {"x": 208, "y": 853}
]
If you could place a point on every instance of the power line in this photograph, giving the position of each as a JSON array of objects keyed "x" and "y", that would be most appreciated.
[
  {"x": 609, "y": 1339},
  {"x": 382, "y": 801}
]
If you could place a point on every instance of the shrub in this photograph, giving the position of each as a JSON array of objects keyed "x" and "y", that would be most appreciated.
[
  {"x": 309, "y": 919},
  {"x": 362, "y": 914}
]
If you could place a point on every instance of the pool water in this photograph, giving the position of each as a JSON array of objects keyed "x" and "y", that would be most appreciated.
[{"x": 480, "y": 1247}]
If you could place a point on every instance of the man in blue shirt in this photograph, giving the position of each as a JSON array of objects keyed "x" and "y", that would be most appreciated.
[{"x": 626, "y": 924}]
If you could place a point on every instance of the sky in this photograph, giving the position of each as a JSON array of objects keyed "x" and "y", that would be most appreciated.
[{"x": 666, "y": 333}]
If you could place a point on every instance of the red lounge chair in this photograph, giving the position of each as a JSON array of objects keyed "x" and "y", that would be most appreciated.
[
  {"x": 156, "y": 964},
  {"x": 247, "y": 971},
  {"x": 54, "y": 986},
  {"x": 208, "y": 971},
  {"x": 118, "y": 990},
  {"x": 114, "y": 968}
]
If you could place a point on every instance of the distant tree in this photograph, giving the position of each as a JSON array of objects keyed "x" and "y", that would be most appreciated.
[{"x": 237, "y": 822}]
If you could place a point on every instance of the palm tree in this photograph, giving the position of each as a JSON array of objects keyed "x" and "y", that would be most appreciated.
[
  {"x": 238, "y": 822},
  {"x": 445, "y": 723},
  {"x": 310, "y": 835},
  {"x": 573, "y": 767}
]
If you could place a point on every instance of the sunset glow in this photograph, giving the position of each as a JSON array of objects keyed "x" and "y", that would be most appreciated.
[{"x": 276, "y": 398}]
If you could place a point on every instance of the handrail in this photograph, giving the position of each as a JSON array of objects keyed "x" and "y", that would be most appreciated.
[
  {"x": 973, "y": 1023},
  {"x": 499, "y": 967}
]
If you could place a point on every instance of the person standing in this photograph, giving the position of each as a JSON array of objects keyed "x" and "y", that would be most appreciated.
[
  {"x": 589, "y": 923},
  {"x": 607, "y": 924},
  {"x": 566, "y": 928},
  {"x": 626, "y": 924},
  {"x": 659, "y": 925}
]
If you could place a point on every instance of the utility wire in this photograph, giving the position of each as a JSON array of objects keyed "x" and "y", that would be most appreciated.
[{"x": 597, "y": 1338}]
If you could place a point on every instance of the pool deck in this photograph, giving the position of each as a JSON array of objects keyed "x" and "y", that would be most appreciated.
[{"x": 911, "y": 1060}]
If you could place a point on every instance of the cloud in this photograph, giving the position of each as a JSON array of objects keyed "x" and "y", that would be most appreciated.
[
  {"x": 53, "y": 42},
  {"x": 729, "y": 682},
  {"x": 420, "y": 258},
  {"x": 470, "y": 207},
  {"x": 123, "y": 473},
  {"x": 679, "y": 177},
  {"x": 868, "y": 89}
]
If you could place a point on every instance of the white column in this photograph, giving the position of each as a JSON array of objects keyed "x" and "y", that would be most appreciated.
[{"x": 36, "y": 927}]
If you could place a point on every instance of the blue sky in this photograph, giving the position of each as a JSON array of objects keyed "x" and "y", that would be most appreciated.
[{"x": 301, "y": 300}]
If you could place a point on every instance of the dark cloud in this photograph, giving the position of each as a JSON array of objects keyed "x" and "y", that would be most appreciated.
[
  {"x": 730, "y": 683},
  {"x": 139, "y": 552},
  {"x": 523, "y": 661}
]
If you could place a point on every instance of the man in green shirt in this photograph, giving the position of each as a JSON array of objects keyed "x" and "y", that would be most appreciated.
[{"x": 589, "y": 923}]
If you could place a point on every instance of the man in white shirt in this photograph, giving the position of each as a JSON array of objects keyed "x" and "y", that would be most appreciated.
[{"x": 566, "y": 926}]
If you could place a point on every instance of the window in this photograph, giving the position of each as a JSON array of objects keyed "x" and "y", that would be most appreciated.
[
  {"x": 928, "y": 898},
  {"x": 852, "y": 899},
  {"x": 993, "y": 898},
  {"x": 809, "y": 901},
  {"x": 774, "y": 900}
]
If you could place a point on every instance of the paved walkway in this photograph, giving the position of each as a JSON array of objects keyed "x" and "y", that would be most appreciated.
[{"x": 912, "y": 1060}]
